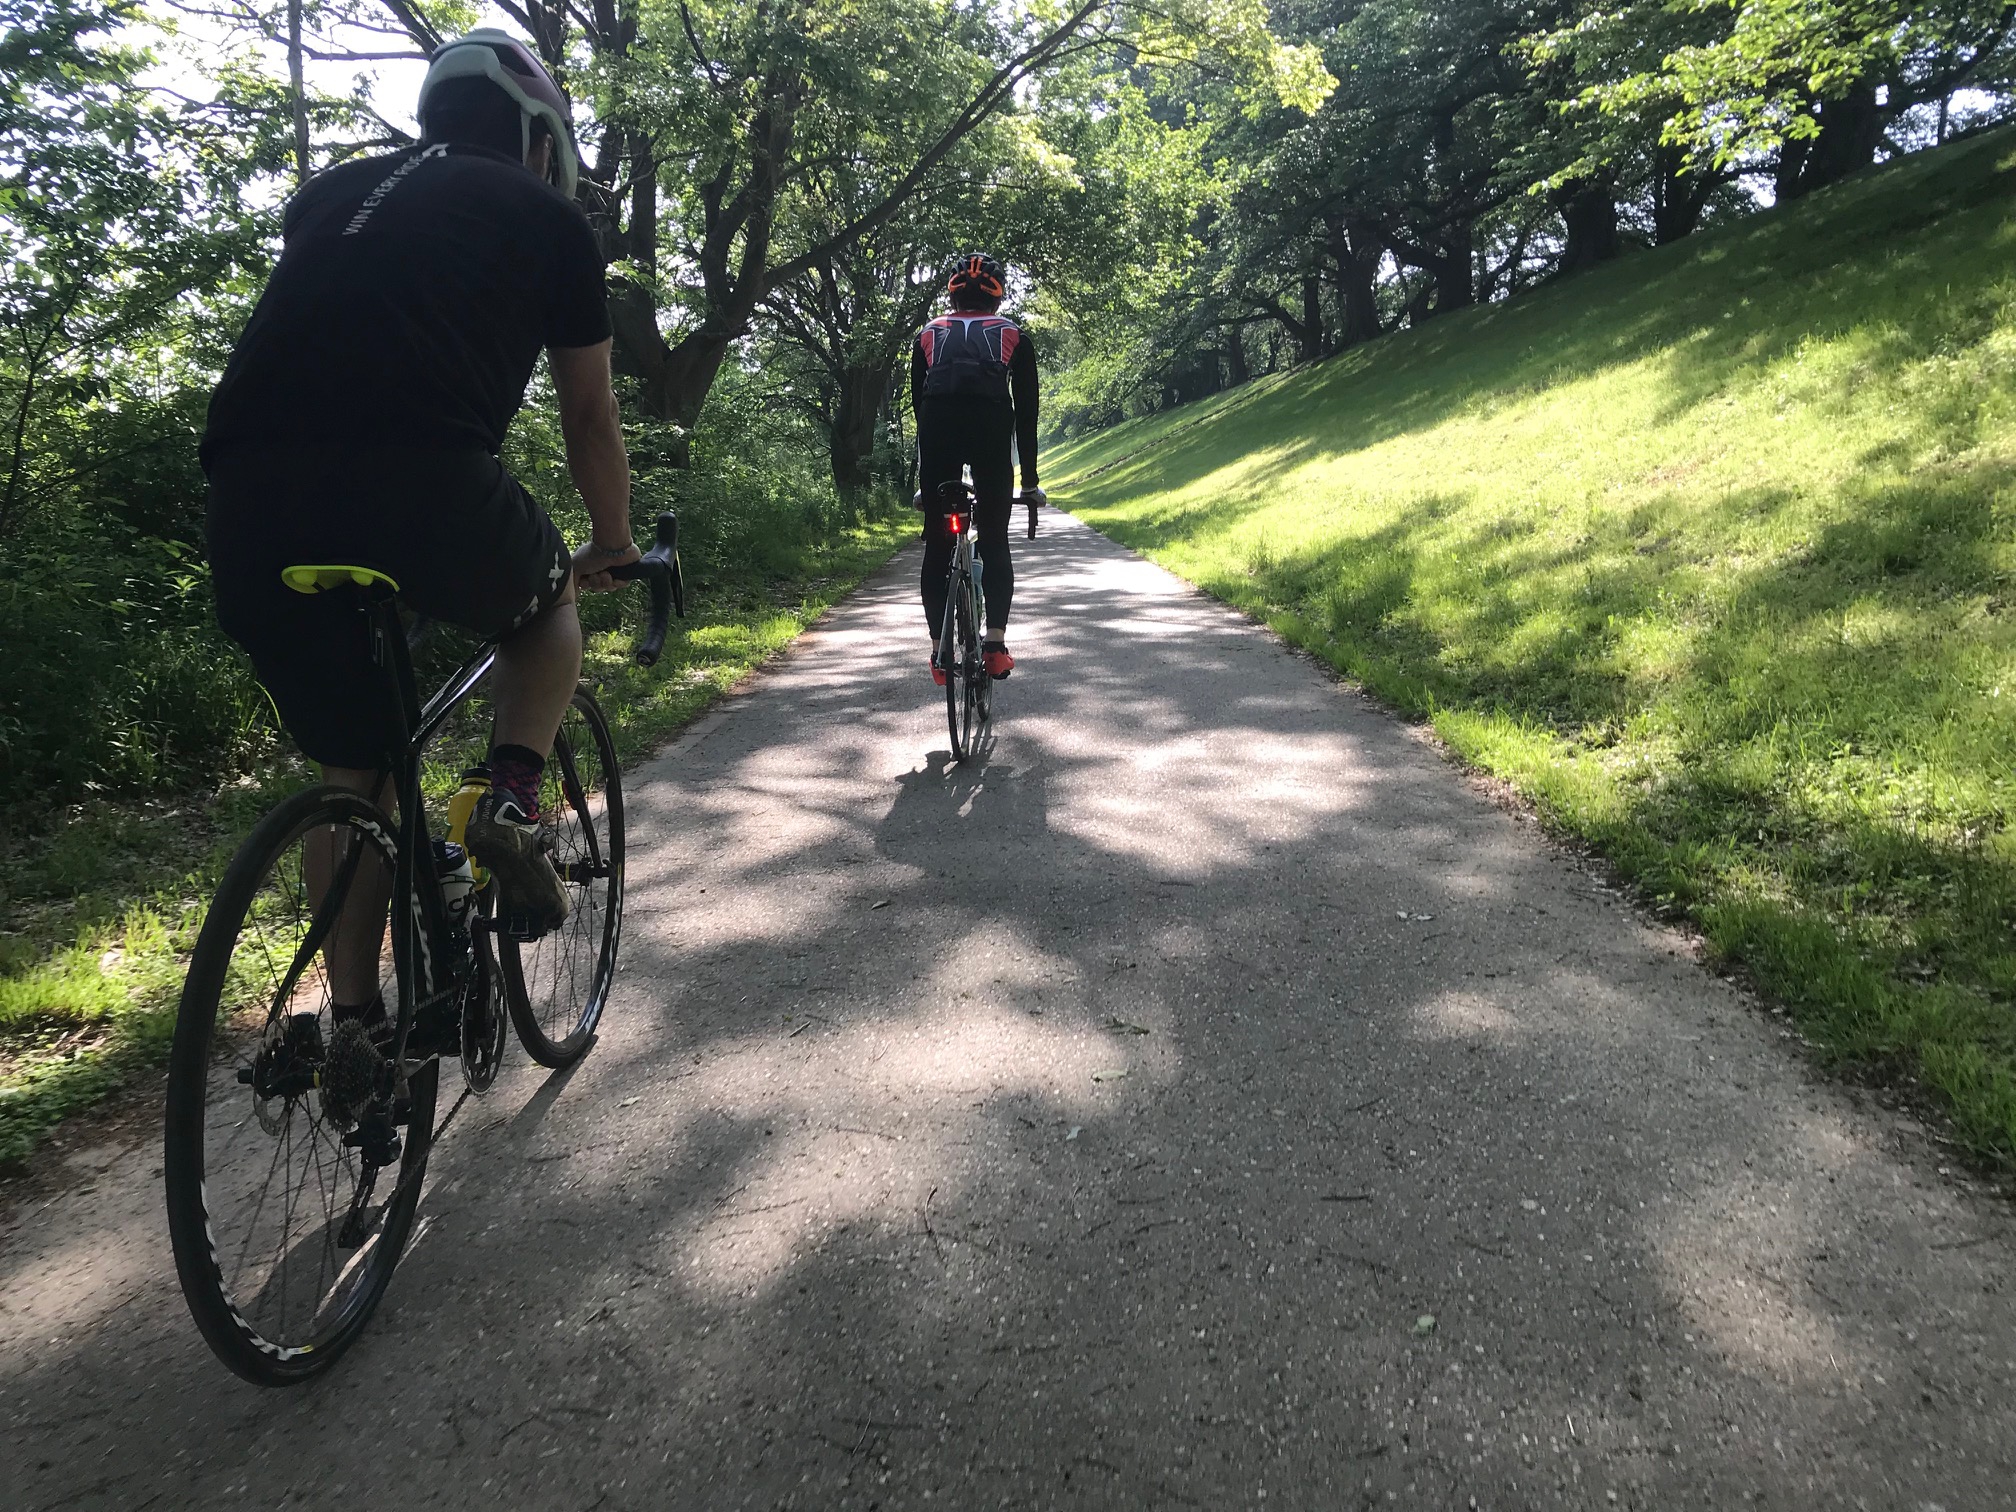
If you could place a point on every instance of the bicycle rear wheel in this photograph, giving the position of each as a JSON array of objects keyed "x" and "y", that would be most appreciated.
[
  {"x": 285, "y": 1232},
  {"x": 558, "y": 984}
]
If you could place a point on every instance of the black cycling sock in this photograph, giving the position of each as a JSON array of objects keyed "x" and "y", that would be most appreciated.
[{"x": 515, "y": 771}]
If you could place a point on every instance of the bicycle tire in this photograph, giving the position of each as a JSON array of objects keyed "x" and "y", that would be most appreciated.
[
  {"x": 973, "y": 669},
  {"x": 558, "y": 985},
  {"x": 951, "y": 660},
  {"x": 983, "y": 684},
  {"x": 209, "y": 1162}
]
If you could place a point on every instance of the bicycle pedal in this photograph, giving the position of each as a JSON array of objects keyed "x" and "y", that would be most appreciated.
[{"x": 521, "y": 927}]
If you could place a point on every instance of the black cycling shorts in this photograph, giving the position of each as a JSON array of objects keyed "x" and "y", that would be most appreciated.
[
  {"x": 955, "y": 431},
  {"x": 453, "y": 529}
]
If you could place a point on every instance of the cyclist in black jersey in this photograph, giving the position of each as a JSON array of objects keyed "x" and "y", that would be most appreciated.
[
  {"x": 973, "y": 390},
  {"x": 359, "y": 422}
]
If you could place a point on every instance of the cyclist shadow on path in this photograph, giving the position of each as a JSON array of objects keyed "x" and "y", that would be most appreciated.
[{"x": 1096, "y": 1126}]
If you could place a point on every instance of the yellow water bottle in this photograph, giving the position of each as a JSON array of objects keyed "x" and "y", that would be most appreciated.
[{"x": 475, "y": 783}]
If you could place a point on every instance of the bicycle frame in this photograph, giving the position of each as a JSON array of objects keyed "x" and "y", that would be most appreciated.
[
  {"x": 424, "y": 949},
  {"x": 959, "y": 573},
  {"x": 964, "y": 533},
  {"x": 428, "y": 960}
]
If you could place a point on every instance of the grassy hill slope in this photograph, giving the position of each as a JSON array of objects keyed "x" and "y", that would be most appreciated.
[{"x": 1713, "y": 553}]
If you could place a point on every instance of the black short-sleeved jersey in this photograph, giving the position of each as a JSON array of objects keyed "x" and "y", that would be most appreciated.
[{"x": 413, "y": 296}]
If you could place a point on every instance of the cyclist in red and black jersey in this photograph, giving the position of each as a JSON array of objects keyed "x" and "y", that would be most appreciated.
[{"x": 973, "y": 388}]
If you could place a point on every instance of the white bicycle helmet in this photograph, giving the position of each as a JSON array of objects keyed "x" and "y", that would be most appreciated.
[{"x": 488, "y": 53}]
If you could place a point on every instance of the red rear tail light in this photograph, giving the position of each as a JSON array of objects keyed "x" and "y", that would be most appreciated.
[{"x": 958, "y": 525}]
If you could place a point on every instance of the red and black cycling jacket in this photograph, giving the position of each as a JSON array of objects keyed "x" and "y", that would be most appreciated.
[{"x": 988, "y": 358}]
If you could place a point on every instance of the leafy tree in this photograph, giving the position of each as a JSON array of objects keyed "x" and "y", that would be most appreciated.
[
  {"x": 118, "y": 208},
  {"x": 708, "y": 115},
  {"x": 1816, "y": 84}
]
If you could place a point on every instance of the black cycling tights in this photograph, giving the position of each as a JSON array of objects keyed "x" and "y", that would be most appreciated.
[{"x": 997, "y": 574}]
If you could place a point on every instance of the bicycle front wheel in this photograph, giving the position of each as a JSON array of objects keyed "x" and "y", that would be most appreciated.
[
  {"x": 558, "y": 984},
  {"x": 952, "y": 661},
  {"x": 981, "y": 689},
  {"x": 285, "y": 1227},
  {"x": 972, "y": 671}
]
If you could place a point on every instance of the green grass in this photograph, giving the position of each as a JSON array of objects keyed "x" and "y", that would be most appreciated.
[
  {"x": 1712, "y": 553},
  {"x": 103, "y": 901}
]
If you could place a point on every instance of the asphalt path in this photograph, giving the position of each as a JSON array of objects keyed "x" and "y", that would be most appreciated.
[{"x": 1206, "y": 1099}]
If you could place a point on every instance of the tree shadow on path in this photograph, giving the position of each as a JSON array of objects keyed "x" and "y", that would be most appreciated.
[{"x": 1204, "y": 1096}]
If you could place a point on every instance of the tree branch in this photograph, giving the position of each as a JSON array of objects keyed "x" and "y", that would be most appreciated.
[
  {"x": 693, "y": 42},
  {"x": 416, "y": 25},
  {"x": 983, "y": 104}
]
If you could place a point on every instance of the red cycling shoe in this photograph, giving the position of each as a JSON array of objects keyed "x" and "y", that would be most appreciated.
[
  {"x": 997, "y": 661},
  {"x": 937, "y": 672}
]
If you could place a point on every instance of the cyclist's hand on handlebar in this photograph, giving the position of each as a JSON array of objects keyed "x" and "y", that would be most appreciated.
[
  {"x": 592, "y": 563},
  {"x": 1035, "y": 496}
]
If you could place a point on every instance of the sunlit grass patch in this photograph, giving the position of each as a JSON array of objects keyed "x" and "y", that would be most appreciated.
[{"x": 1712, "y": 553}]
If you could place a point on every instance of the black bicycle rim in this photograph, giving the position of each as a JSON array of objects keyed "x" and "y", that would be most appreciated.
[
  {"x": 951, "y": 661},
  {"x": 284, "y": 1238},
  {"x": 983, "y": 684},
  {"x": 558, "y": 984},
  {"x": 973, "y": 666}
]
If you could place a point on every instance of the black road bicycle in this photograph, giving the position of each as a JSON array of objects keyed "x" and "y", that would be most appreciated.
[
  {"x": 969, "y": 691},
  {"x": 296, "y": 1144}
]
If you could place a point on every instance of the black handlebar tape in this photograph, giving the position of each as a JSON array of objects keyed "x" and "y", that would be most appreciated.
[
  {"x": 659, "y": 567},
  {"x": 1032, "y": 519},
  {"x": 653, "y": 643}
]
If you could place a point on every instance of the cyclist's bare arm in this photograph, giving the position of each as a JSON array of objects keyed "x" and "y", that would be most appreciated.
[{"x": 595, "y": 457}]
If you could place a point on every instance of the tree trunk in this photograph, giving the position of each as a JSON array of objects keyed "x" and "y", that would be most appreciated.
[
  {"x": 642, "y": 240},
  {"x": 856, "y": 409},
  {"x": 1236, "y": 371},
  {"x": 1356, "y": 250},
  {"x": 1453, "y": 270},
  {"x": 672, "y": 380},
  {"x": 1307, "y": 332},
  {"x": 1421, "y": 304},
  {"x": 1792, "y": 157},
  {"x": 1309, "y": 335},
  {"x": 1851, "y": 129},
  {"x": 1678, "y": 197},
  {"x": 17, "y": 458},
  {"x": 1589, "y": 215},
  {"x": 1506, "y": 274}
]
